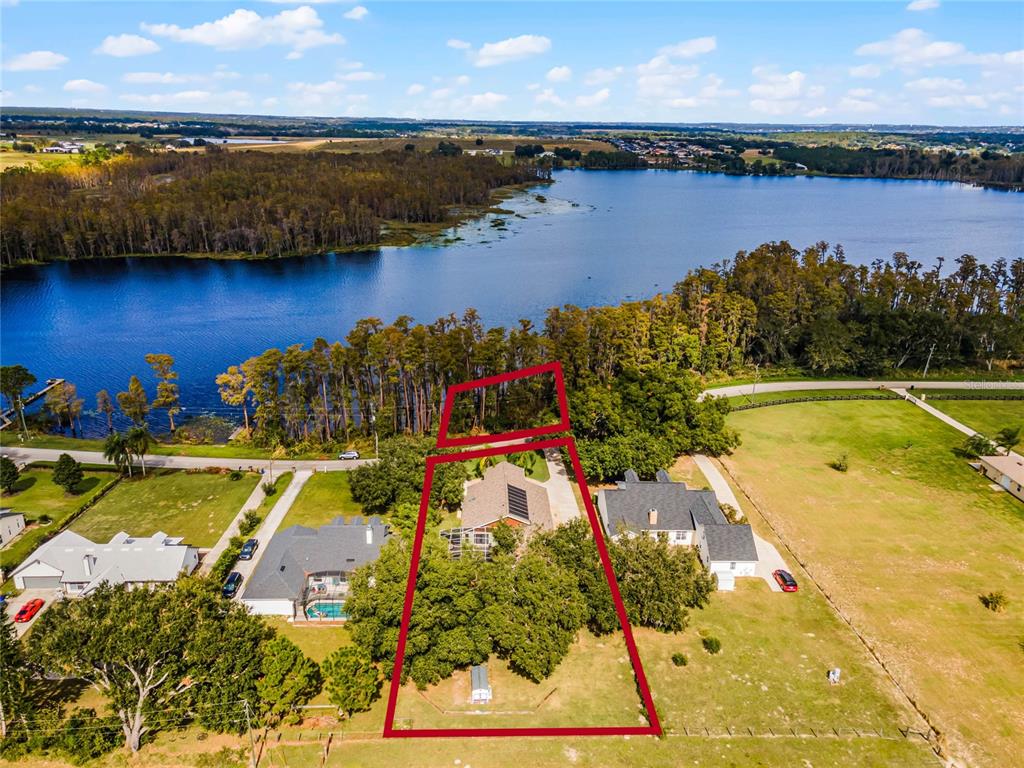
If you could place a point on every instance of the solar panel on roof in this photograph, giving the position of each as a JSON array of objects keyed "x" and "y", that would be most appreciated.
[{"x": 517, "y": 505}]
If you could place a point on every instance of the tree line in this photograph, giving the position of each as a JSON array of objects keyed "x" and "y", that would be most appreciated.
[{"x": 221, "y": 202}]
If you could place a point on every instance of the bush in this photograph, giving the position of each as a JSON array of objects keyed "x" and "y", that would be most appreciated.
[
  {"x": 250, "y": 521},
  {"x": 841, "y": 464},
  {"x": 227, "y": 559},
  {"x": 234, "y": 475},
  {"x": 977, "y": 445},
  {"x": 269, "y": 488},
  {"x": 679, "y": 659},
  {"x": 712, "y": 645},
  {"x": 994, "y": 601}
]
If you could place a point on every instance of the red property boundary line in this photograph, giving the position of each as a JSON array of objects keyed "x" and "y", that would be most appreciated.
[
  {"x": 654, "y": 727},
  {"x": 555, "y": 368}
]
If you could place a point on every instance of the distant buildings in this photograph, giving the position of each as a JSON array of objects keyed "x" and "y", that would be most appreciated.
[
  {"x": 76, "y": 566},
  {"x": 65, "y": 148}
]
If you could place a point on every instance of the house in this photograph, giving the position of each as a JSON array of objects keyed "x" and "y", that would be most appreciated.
[
  {"x": 480, "y": 686},
  {"x": 504, "y": 494},
  {"x": 1006, "y": 471},
  {"x": 304, "y": 572},
  {"x": 11, "y": 524},
  {"x": 684, "y": 517},
  {"x": 76, "y": 566},
  {"x": 65, "y": 148}
]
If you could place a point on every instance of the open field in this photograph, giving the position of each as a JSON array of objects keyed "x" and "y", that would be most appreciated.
[
  {"x": 760, "y": 397},
  {"x": 985, "y": 416},
  {"x": 424, "y": 143},
  {"x": 36, "y": 496},
  {"x": 35, "y": 160},
  {"x": 903, "y": 543},
  {"x": 197, "y": 506},
  {"x": 325, "y": 496},
  {"x": 593, "y": 685}
]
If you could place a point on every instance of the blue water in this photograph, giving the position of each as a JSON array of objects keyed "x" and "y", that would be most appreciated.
[
  {"x": 326, "y": 610},
  {"x": 601, "y": 237}
]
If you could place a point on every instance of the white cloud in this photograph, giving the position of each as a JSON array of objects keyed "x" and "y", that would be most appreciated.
[
  {"x": 462, "y": 80},
  {"x": 923, "y": 5},
  {"x": 593, "y": 99},
  {"x": 936, "y": 84},
  {"x": 603, "y": 76},
  {"x": 713, "y": 89},
  {"x": 816, "y": 112},
  {"x": 548, "y": 96},
  {"x": 414, "y": 90},
  {"x": 191, "y": 99},
  {"x": 36, "y": 61},
  {"x": 868, "y": 71},
  {"x": 559, "y": 74},
  {"x": 361, "y": 76},
  {"x": 357, "y": 13},
  {"x": 459, "y": 45},
  {"x": 911, "y": 47},
  {"x": 776, "y": 93},
  {"x": 154, "y": 78},
  {"x": 511, "y": 49},
  {"x": 689, "y": 49},
  {"x": 270, "y": 101},
  {"x": 486, "y": 100},
  {"x": 315, "y": 94},
  {"x": 441, "y": 93},
  {"x": 298, "y": 29},
  {"x": 123, "y": 46},
  {"x": 84, "y": 86},
  {"x": 858, "y": 100}
]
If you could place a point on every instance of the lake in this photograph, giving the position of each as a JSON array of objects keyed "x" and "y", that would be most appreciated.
[{"x": 599, "y": 238}]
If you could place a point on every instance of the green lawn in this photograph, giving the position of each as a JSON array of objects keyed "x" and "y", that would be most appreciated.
[
  {"x": 36, "y": 496},
  {"x": 986, "y": 416},
  {"x": 231, "y": 451},
  {"x": 316, "y": 641},
  {"x": 325, "y": 496},
  {"x": 904, "y": 542},
  {"x": 798, "y": 394},
  {"x": 195, "y": 506}
]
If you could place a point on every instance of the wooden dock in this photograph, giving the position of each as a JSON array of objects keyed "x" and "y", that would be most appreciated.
[{"x": 7, "y": 417}]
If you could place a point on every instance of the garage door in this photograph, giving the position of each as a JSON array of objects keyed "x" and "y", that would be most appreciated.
[{"x": 42, "y": 582}]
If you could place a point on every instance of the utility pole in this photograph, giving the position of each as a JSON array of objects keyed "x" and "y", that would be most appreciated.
[
  {"x": 373, "y": 425},
  {"x": 928, "y": 362},
  {"x": 21, "y": 412},
  {"x": 248, "y": 725}
]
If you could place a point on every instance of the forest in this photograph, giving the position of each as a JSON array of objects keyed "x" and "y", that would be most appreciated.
[{"x": 221, "y": 202}]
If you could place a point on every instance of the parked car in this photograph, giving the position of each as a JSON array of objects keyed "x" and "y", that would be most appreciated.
[
  {"x": 785, "y": 580},
  {"x": 231, "y": 584},
  {"x": 248, "y": 549},
  {"x": 28, "y": 610},
  {"x": 348, "y": 455}
]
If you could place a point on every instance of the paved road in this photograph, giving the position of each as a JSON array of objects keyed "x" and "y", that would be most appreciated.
[
  {"x": 736, "y": 390},
  {"x": 271, "y": 523},
  {"x": 19, "y": 454}
]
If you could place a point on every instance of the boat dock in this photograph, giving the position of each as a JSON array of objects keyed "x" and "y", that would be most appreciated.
[{"x": 7, "y": 417}]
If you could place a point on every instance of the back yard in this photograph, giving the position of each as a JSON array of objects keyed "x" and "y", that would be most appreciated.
[
  {"x": 194, "y": 505},
  {"x": 904, "y": 542}
]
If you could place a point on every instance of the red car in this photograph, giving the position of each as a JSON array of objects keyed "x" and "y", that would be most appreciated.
[
  {"x": 786, "y": 580},
  {"x": 28, "y": 610}
]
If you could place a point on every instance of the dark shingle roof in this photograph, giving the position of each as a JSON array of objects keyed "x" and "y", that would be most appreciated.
[
  {"x": 679, "y": 508},
  {"x": 730, "y": 543},
  {"x": 297, "y": 551}
]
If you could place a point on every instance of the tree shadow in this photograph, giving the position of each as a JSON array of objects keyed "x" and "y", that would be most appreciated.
[
  {"x": 23, "y": 484},
  {"x": 57, "y": 693},
  {"x": 86, "y": 485}
]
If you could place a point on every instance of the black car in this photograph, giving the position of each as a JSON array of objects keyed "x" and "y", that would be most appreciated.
[
  {"x": 231, "y": 584},
  {"x": 248, "y": 549}
]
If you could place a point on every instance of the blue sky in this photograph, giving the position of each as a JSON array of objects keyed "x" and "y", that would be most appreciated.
[{"x": 924, "y": 61}]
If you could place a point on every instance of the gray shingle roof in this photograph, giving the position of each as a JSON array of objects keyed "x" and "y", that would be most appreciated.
[
  {"x": 679, "y": 508},
  {"x": 298, "y": 551},
  {"x": 730, "y": 543}
]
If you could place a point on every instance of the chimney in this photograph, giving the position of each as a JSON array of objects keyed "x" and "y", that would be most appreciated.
[
  {"x": 369, "y": 534},
  {"x": 87, "y": 564},
  {"x": 652, "y": 516}
]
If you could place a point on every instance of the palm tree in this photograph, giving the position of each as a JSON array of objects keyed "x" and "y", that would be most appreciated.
[
  {"x": 1008, "y": 438},
  {"x": 138, "y": 441},
  {"x": 116, "y": 449}
]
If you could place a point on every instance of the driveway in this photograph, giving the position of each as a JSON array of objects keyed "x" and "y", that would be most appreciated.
[
  {"x": 560, "y": 494},
  {"x": 14, "y": 605}
]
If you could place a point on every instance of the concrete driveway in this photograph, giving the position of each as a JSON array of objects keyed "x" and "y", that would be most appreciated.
[{"x": 14, "y": 605}]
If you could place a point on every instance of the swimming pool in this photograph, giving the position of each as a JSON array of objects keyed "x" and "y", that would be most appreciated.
[{"x": 326, "y": 610}]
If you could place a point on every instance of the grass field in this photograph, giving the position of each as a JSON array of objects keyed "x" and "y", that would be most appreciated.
[
  {"x": 761, "y": 397},
  {"x": 325, "y": 496},
  {"x": 240, "y": 452},
  {"x": 35, "y": 160},
  {"x": 196, "y": 506},
  {"x": 36, "y": 496},
  {"x": 985, "y": 416},
  {"x": 904, "y": 543}
]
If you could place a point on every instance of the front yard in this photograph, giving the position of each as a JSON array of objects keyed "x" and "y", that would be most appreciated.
[
  {"x": 325, "y": 496},
  {"x": 40, "y": 499},
  {"x": 986, "y": 416},
  {"x": 905, "y": 541},
  {"x": 194, "y": 505}
]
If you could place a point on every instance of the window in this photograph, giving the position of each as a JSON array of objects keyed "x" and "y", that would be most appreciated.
[{"x": 732, "y": 566}]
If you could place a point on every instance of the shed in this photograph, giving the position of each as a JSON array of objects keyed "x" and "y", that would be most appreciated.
[{"x": 481, "y": 686}]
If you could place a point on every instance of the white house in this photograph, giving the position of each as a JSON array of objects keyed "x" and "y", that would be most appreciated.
[
  {"x": 76, "y": 566},
  {"x": 1006, "y": 471},
  {"x": 685, "y": 517},
  {"x": 11, "y": 524}
]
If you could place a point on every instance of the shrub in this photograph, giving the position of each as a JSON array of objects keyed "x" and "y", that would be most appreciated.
[
  {"x": 250, "y": 521},
  {"x": 227, "y": 559},
  {"x": 234, "y": 475},
  {"x": 977, "y": 445},
  {"x": 841, "y": 464},
  {"x": 679, "y": 659},
  {"x": 712, "y": 645},
  {"x": 269, "y": 488},
  {"x": 995, "y": 601}
]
